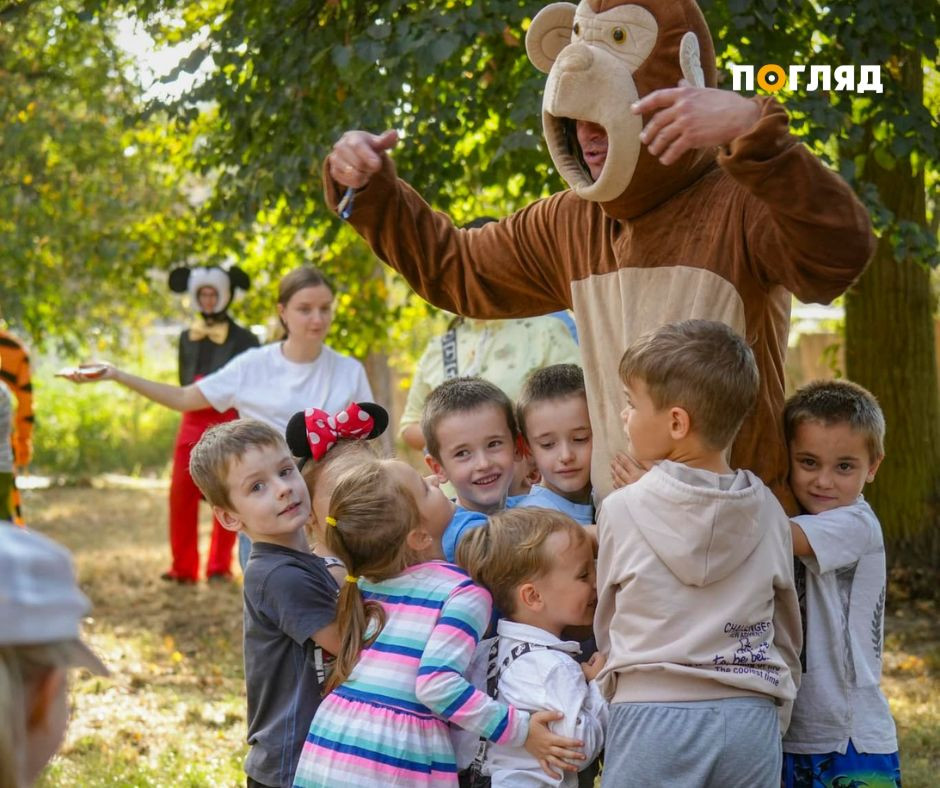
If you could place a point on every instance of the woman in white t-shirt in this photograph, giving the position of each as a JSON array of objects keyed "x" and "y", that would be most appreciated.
[{"x": 272, "y": 382}]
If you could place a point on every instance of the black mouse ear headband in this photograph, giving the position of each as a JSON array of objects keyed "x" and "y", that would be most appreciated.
[{"x": 311, "y": 433}]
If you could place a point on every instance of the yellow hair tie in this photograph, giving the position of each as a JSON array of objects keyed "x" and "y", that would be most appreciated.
[
  {"x": 331, "y": 521},
  {"x": 351, "y": 579}
]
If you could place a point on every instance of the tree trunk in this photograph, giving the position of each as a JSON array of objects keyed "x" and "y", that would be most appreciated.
[
  {"x": 380, "y": 379},
  {"x": 890, "y": 349}
]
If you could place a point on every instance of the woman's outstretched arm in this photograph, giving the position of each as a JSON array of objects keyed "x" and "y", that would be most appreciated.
[{"x": 182, "y": 398}]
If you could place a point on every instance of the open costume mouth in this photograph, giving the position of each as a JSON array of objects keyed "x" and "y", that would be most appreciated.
[{"x": 593, "y": 54}]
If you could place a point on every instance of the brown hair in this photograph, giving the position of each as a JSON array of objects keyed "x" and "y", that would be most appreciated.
[
  {"x": 702, "y": 366},
  {"x": 555, "y": 382},
  {"x": 510, "y": 550},
  {"x": 300, "y": 279},
  {"x": 461, "y": 395},
  {"x": 373, "y": 514},
  {"x": 832, "y": 402},
  {"x": 222, "y": 445}
]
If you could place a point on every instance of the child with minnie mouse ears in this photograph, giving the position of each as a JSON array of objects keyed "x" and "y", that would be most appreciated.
[{"x": 326, "y": 447}]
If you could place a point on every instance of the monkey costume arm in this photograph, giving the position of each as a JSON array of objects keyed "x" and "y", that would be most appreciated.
[{"x": 806, "y": 229}]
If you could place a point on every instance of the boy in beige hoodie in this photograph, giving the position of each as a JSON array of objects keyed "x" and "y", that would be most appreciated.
[{"x": 697, "y": 611}]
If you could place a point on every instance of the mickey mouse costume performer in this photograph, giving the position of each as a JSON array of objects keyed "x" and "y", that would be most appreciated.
[{"x": 208, "y": 344}]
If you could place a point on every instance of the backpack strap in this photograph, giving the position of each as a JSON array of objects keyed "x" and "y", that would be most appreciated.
[{"x": 494, "y": 670}]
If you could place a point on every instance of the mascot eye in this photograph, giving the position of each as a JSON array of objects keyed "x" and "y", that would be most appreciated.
[
  {"x": 577, "y": 28},
  {"x": 619, "y": 35}
]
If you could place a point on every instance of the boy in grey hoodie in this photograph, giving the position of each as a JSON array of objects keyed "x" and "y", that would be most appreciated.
[{"x": 697, "y": 611}]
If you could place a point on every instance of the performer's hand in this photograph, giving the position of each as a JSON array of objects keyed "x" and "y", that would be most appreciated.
[
  {"x": 625, "y": 470},
  {"x": 551, "y": 750},
  {"x": 593, "y": 666},
  {"x": 91, "y": 372},
  {"x": 687, "y": 117},
  {"x": 357, "y": 156}
]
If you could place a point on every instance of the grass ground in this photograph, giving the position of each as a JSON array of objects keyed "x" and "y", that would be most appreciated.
[{"x": 172, "y": 713}]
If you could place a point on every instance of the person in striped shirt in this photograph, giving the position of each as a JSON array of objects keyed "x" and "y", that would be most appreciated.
[{"x": 410, "y": 625}]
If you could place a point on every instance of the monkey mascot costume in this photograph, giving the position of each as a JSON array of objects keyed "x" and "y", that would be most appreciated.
[
  {"x": 210, "y": 343},
  {"x": 722, "y": 233}
]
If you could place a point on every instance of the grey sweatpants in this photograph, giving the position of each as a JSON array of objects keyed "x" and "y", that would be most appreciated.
[{"x": 728, "y": 743}]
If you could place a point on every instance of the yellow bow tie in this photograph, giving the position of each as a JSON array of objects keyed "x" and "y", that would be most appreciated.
[{"x": 200, "y": 329}]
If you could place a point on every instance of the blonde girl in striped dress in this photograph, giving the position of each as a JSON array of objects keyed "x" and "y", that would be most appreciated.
[{"x": 410, "y": 623}]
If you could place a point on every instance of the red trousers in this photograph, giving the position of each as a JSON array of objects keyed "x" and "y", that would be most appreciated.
[{"x": 184, "y": 504}]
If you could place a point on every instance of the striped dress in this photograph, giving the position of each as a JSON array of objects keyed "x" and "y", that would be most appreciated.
[{"x": 387, "y": 724}]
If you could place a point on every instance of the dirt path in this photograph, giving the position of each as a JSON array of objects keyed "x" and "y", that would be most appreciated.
[{"x": 173, "y": 712}]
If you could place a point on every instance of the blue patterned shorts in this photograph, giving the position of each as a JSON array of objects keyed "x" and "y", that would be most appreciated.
[{"x": 834, "y": 770}]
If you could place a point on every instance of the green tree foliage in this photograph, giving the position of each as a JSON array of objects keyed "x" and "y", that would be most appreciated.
[
  {"x": 888, "y": 146},
  {"x": 84, "y": 208}
]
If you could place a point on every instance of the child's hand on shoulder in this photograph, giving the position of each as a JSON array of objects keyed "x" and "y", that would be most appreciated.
[
  {"x": 550, "y": 749},
  {"x": 593, "y": 666}
]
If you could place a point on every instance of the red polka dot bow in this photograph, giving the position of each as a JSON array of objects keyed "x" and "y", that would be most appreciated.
[{"x": 323, "y": 430}]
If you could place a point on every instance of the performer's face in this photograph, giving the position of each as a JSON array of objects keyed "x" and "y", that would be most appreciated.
[
  {"x": 208, "y": 299},
  {"x": 593, "y": 141}
]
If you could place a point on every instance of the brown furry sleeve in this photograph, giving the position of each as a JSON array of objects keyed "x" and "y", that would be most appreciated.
[
  {"x": 806, "y": 230},
  {"x": 516, "y": 267}
]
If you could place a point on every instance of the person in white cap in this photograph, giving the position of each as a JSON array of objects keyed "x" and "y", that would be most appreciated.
[{"x": 41, "y": 609}]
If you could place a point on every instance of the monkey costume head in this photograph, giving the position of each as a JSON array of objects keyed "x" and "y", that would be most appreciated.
[{"x": 600, "y": 57}]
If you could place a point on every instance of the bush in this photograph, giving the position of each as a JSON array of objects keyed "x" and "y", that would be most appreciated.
[{"x": 100, "y": 428}]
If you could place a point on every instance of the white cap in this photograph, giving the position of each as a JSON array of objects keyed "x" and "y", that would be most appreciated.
[{"x": 39, "y": 599}]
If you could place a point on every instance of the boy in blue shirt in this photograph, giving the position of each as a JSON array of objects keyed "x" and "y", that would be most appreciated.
[
  {"x": 470, "y": 433},
  {"x": 553, "y": 416}
]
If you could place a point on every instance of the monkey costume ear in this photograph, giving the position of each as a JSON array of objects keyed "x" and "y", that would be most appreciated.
[
  {"x": 549, "y": 33},
  {"x": 238, "y": 278},
  {"x": 179, "y": 279}
]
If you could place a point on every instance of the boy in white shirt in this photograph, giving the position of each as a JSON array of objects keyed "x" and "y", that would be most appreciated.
[
  {"x": 842, "y": 725},
  {"x": 539, "y": 566},
  {"x": 697, "y": 611}
]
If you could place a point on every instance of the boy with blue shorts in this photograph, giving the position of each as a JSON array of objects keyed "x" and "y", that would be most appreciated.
[{"x": 842, "y": 732}]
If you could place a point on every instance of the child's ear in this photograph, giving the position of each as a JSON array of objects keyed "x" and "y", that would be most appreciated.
[
  {"x": 418, "y": 540},
  {"x": 873, "y": 469},
  {"x": 679, "y": 423},
  {"x": 529, "y": 597},
  {"x": 436, "y": 468},
  {"x": 230, "y": 520},
  {"x": 43, "y": 698}
]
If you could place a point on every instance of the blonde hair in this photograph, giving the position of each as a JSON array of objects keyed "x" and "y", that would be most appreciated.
[
  {"x": 222, "y": 445},
  {"x": 702, "y": 366},
  {"x": 340, "y": 459},
  {"x": 510, "y": 550},
  {"x": 371, "y": 513},
  {"x": 832, "y": 402},
  {"x": 21, "y": 670}
]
